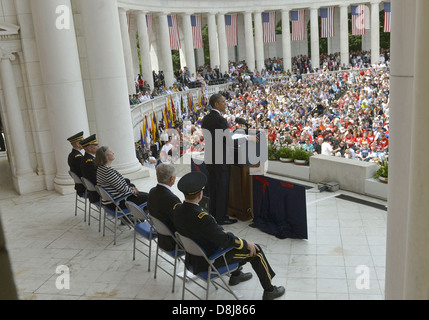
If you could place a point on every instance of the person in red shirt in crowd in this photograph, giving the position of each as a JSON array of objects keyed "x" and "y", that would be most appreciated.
[
  {"x": 349, "y": 139},
  {"x": 378, "y": 149},
  {"x": 272, "y": 134},
  {"x": 370, "y": 136},
  {"x": 384, "y": 142}
]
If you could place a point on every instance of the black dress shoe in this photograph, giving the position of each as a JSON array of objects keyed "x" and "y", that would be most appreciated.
[
  {"x": 234, "y": 280},
  {"x": 271, "y": 295},
  {"x": 226, "y": 221}
]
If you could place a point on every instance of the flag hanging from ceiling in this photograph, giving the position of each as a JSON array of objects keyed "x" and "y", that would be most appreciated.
[
  {"x": 173, "y": 29},
  {"x": 327, "y": 29},
  {"x": 149, "y": 27},
  {"x": 358, "y": 19},
  {"x": 387, "y": 12},
  {"x": 197, "y": 35},
  {"x": 231, "y": 29},
  {"x": 269, "y": 26},
  {"x": 298, "y": 24}
]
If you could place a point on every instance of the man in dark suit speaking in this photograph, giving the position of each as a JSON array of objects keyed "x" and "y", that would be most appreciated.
[{"x": 218, "y": 156}]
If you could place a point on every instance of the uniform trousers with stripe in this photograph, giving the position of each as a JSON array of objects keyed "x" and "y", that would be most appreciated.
[{"x": 259, "y": 264}]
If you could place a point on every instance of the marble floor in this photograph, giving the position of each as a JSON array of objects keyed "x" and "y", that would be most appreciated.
[{"x": 343, "y": 258}]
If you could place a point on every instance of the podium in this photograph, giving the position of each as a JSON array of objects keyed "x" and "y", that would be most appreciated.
[{"x": 240, "y": 203}]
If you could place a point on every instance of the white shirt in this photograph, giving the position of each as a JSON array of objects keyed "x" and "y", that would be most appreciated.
[{"x": 326, "y": 149}]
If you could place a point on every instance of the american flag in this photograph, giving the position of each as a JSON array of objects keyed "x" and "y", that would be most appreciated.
[
  {"x": 269, "y": 26},
  {"x": 358, "y": 19},
  {"x": 327, "y": 29},
  {"x": 149, "y": 27},
  {"x": 298, "y": 24},
  {"x": 387, "y": 12},
  {"x": 197, "y": 35},
  {"x": 173, "y": 29},
  {"x": 231, "y": 29}
]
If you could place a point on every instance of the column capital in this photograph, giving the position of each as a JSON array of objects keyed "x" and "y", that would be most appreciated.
[
  {"x": 122, "y": 10},
  {"x": 6, "y": 54}
]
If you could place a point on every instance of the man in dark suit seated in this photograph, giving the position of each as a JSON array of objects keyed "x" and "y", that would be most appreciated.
[
  {"x": 75, "y": 158},
  {"x": 87, "y": 165},
  {"x": 162, "y": 201},
  {"x": 192, "y": 221}
]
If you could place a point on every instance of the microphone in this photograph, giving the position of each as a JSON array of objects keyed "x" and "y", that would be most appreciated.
[{"x": 242, "y": 122}]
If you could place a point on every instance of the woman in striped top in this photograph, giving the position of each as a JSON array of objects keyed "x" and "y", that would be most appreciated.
[{"x": 113, "y": 182}]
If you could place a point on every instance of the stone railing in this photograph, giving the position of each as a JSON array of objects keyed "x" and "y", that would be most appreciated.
[
  {"x": 157, "y": 105},
  {"x": 351, "y": 175}
]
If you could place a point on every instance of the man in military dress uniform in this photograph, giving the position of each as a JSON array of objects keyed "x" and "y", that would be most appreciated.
[
  {"x": 192, "y": 221},
  {"x": 87, "y": 165},
  {"x": 74, "y": 159}
]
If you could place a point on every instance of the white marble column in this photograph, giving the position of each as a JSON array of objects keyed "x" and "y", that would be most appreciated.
[
  {"x": 189, "y": 43},
  {"x": 107, "y": 73},
  {"x": 286, "y": 41},
  {"x": 12, "y": 107},
  {"x": 213, "y": 41},
  {"x": 126, "y": 44},
  {"x": 375, "y": 31},
  {"x": 62, "y": 81},
  {"x": 344, "y": 35},
  {"x": 401, "y": 94},
  {"x": 223, "y": 46},
  {"x": 417, "y": 259},
  {"x": 259, "y": 41},
  {"x": 144, "y": 49},
  {"x": 250, "y": 45},
  {"x": 167, "y": 60},
  {"x": 314, "y": 32}
]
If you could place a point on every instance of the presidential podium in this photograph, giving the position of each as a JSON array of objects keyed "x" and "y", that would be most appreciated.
[
  {"x": 241, "y": 182},
  {"x": 240, "y": 203}
]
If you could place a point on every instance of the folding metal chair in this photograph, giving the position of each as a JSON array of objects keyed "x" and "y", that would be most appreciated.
[
  {"x": 143, "y": 227},
  {"x": 79, "y": 200},
  {"x": 90, "y": 187},
  {"x": 212, "y": 273},
  {"x": 115, "y": 214},
  {"x": 176, "y": 254}
]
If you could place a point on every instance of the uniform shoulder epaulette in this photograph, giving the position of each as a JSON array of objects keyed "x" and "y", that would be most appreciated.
[
  {"x": 78, "y": 156},
  {"x": 89, "y": 160},
  {"x": 202, "y": 214},
  {"x": 175, "y": 206}
]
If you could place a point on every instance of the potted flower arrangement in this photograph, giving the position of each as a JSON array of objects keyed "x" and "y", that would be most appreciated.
[
  {"x": 383, "y": 171},
  {"x": 273, "y": 153},
  {"x": 286, "y": 154},
  {"x": 301, "y": 156}
]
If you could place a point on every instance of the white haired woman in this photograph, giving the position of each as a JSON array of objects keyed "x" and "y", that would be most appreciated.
[{"x": 113, "y": 182}]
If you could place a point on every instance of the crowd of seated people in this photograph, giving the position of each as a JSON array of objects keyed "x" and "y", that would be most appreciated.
[{"x": 348, "y": 108}]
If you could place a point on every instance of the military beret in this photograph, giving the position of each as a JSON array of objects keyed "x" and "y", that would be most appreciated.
[
  {"x": 76, "y": 137},
  {"x": 91, "y": 140},
  {"x": 192, "y": 183}
]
